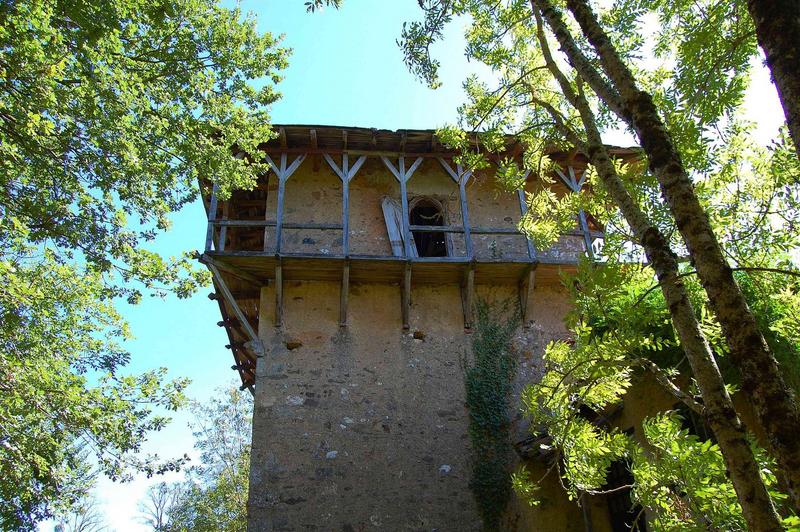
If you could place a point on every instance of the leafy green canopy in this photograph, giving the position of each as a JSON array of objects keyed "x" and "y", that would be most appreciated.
[
  {"x": 623, "y": 335},
  {"x": 697, "y": 67},
  {"x": 111, "y": 114},
  {"x": 214, "y": 495}
]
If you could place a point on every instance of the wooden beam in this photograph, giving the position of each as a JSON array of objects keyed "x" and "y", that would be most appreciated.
[
  {"x": 587, "y": 238},
  {"x": 265, "y": 247},
  {"x": 404, "y": 207},
  {"x": 403, "y": 138},
  {"x": 243, "y": 321},
  {"x": 233, "y": 270},
  {"x": 405, "y": 298},
  {"x": 403, "y": 175},
  {"x": 461, "y": 177},
  {"x": 575, "y": 184},
  {"x": 223, "y": 230},
  {"x": 462, "y": 193},
  {"x": 284, "y": 173},
  {"x": 345, "y": 217},
  {"x": 523, "y": 209},
  {"x": 526, "y": 286},
  {"x": 346, "y": 173},
  {"x": 468, "y": 294},
  {"x": 344, "y": 139},
  {"x": 344, "y": 291},
  {"x": 278, "y": 294},
  {"x": 282, "y": 137},
  {"x": 212, "y": 216},
  {"x": 279, "y": 214},
  {"x": 304, "y": 150},
  {"x": 316, "y": 160}
]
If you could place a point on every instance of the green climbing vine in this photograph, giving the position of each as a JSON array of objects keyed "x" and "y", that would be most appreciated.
[{"x": 488, "y": 380}]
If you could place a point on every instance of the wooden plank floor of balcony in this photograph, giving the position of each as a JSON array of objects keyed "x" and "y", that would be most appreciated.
[{"x": 364, "y": 269}]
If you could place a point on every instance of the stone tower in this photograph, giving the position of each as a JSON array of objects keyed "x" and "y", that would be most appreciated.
[{"x": 346, "y": 282}]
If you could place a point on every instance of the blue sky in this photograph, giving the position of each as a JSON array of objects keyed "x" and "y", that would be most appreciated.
[{"x": 345, "y": 70}]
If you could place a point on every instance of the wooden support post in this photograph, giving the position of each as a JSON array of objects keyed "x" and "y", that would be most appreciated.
[
  {"x": 212, "y": 217},
  {"x": 223, "y": 230},
  {"x": 226, "y": 293},
  {"x": 465, "y": 218},
  {"x": 406, "y": 295},
  {"x": 526, "y": 286},
  {"x": 403, "y": 175},
  {"x": 461, "y": 177},
  {"x": 284, "y": 173},
  {"x": 278, "y": 294},
  {"x": 346, "y": 173},
  {"x": 279, "y": 214},
  {"x": 316, "y": 159},
  {"x": 523, "y": 208},
  {"x": 282, "y": 137},
  {"x": 266, "y": 214},
  {"x": 236, "y": 272},
  {"x": 404, "y": 207},
  {"x": 575, "y": 184},
  {"x": 587, "y": 237},
  {"x": 468, "y": 295},
  {"x": 345, "y": 216},
  {"x": 344, "y": 291}
]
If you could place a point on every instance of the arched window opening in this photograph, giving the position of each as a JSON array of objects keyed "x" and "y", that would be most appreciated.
[{"x": 428, "y": 211}]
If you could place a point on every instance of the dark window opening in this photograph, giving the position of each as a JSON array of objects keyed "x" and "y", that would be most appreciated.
[
  {"x": 623, "y": 513},
  {"x": 429, "y": 243},
  {"x": 694, "y": 423}
]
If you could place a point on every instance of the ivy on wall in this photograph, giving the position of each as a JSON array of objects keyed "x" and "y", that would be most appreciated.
[{"x": 488, "y": 381}]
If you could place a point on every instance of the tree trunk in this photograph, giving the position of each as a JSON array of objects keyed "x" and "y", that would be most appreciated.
[
  {"x": 743, "y": 470},
  {"x": 778, "y": 32},
  {"x": 762, "y": 382}
]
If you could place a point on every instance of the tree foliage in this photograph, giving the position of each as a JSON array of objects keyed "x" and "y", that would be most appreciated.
[
  {"x": 623, "y": 335},
  {"x": 112, "y": 114},
  {"x": 214, "y": 494},
  {"x": 488, "y": 380},
  {"x": 697, "y": 70}
]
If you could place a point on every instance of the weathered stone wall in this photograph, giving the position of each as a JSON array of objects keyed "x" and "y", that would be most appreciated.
[{"x": 365, "y": 427}]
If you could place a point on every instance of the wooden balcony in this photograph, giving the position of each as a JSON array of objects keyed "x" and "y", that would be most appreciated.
[{"x": 270, "y": 259}]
